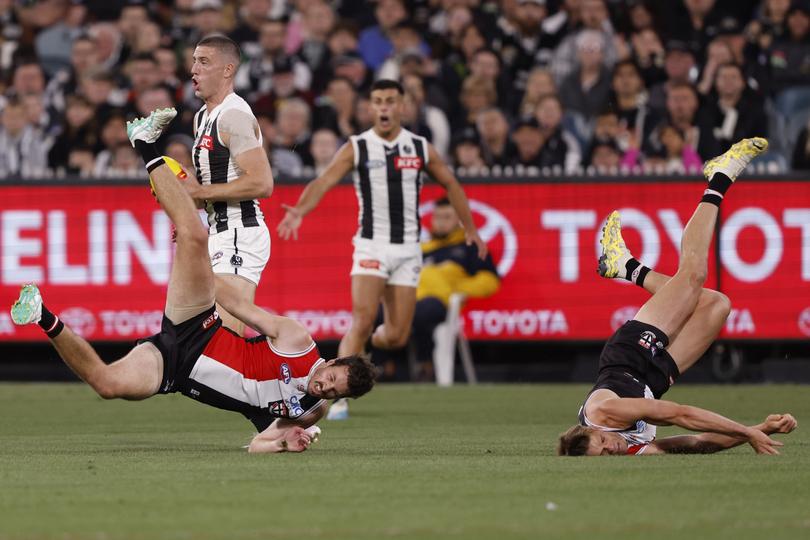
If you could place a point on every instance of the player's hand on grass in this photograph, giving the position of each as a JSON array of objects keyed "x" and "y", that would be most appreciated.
[
  {"x": 289, "y": 225},
  {"x": 474, "y": 238},
  {"x": 761, "y": 443},
  {"x": 296, "y": 439},
  {"x": 780, "y": 423}
]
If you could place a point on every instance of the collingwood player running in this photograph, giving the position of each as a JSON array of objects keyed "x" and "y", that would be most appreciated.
[
  {"x": 388, "y": 163},
  {"x": 232, "y": 173}
]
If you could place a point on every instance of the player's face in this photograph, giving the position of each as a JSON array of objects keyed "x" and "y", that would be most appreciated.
[
  {"x": 606, "y": 443},
  {"x": 209, "y": 71},
  {"x": 329, "y": 382},
  {"x": 386, "y": 107}
]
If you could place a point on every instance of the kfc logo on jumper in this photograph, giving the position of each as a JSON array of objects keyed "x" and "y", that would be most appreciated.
[
  {"x": 206, "y": 142},
  {"x": 370, "y": 264},
  {"x": 407, "y": 162}
]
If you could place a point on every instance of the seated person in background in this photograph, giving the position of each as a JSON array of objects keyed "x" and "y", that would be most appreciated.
[
  {"x": 676, "y": 155},
  {"x": 605, "y": 156},
  {"x": 450, "y": 266},
  {"x": 466, "y": 152}
]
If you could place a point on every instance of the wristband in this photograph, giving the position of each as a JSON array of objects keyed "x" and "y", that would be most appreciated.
[{"x": 284, "y": 444}]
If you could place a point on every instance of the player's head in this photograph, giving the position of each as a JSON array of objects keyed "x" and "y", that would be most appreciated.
[
  {"x": 587, "y": 441},
  {"x": 386, "y": 105},
  {"x": 444, "y": 219},
  {"x": 349, "y": 376},
  {"x": 216, "y": 59}
]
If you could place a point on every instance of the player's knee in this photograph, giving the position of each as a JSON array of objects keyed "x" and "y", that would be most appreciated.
[
  {"x": 193, "y": 234},
  {"x": 397, "y": 337},
  {"x": 105, "y": 388},
  {"x": 721, "y": 305},
  {"x": 695, "y": 275}
]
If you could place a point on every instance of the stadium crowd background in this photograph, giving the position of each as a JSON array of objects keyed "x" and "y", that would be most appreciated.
[{"x": 616, "y": 85}]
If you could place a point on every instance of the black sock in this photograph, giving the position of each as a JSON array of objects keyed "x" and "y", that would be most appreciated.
[
  {"x": 149, "y": 155},
  {"x": 636, "y": 272},
  {"x": 718, "y": 185},
  {"x": 50, "y": 323}
]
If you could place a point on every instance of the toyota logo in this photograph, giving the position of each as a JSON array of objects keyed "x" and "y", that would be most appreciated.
[
  {"x": 804, "y": 321},
  {"x": 495, "y": 223},
  {"x": 80, "y": 320}
]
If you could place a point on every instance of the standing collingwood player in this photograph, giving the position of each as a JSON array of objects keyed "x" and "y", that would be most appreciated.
[
  {"x": 388, "y": 163},
  {"x": 232, "y": 173}
]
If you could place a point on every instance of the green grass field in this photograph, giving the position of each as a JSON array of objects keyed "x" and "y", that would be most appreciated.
[{"x": 412, "y": 462}]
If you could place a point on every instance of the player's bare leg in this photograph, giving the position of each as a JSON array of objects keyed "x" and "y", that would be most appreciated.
[
  {"x": 136, "y": 376},
  {"x": 673, "y": 304},
  {"x": 700, "y": 329},
  {"x": 191, "y": 287},
  {"x": 703, "y": 311},
  {"x": 366, "y": 294},
  {"x": 234, "y": 286},
  {"x": 399, "y": 303}
]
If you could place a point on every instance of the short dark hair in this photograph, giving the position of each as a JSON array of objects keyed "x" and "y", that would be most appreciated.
[
  {"x": 575, "y": 441},
  {"x": 362, "y": 374},
  {"x": 626, "y": 63},
  {"x": 223, "y": 44},
  {"x": 387, "y": 84}
]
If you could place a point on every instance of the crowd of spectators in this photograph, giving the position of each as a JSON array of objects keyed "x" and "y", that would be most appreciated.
[{"x": 559, "y": 85}]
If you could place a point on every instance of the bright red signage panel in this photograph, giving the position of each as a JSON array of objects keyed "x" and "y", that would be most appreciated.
[{"x": 102, "y": 257}]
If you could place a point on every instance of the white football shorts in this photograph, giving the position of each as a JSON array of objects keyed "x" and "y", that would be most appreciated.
[
  {"x": 242, "y": 251},
  {"x": 398, "y": 264}
]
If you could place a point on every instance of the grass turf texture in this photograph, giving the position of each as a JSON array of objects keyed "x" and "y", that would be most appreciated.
[{"x": 411, "y": 462}]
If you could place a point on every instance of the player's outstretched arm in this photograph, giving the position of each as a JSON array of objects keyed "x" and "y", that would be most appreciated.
[
  {"x": 289, "y": 435},
  {"x": 709, "y": 443},
  {"x": 439, "y": 171},
  {"x": 626, "y": 411},
  {"x": 286, "y": 333},
  {"x": 341, "y": 165}
]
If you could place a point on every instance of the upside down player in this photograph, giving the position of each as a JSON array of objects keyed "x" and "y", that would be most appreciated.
[
  {"x": 667, "y": 336},
  {"x": 278, "y": 380}
]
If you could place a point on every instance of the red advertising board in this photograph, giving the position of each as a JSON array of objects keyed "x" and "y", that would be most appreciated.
[{"x": 102, "y": 257}]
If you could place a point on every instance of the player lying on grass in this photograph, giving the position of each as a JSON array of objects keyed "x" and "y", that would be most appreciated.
[
  {"x": 278, "y": 380},
  {"x": 668, "y": 335}
]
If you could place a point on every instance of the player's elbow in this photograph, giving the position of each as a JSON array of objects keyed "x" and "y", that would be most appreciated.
[
  {"x": 267, "y": 185},
  {"x": 263, "y": 186},
  {"x": 296, "y": 335}
]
